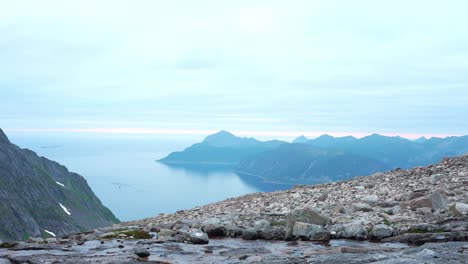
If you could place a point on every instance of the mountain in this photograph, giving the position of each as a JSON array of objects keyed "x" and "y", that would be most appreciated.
[
  {"x": 40, "y": 197},
  {"x": 301, "y": 139},
  {"x": 222, "y": 147},
  {"x": 397, "y": 151},
  {"x": 420, "y": 140},
  {"x": 303, "y": 163}
]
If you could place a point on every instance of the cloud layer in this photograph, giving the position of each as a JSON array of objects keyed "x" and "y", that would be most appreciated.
[{"x": 358, "y": 66}]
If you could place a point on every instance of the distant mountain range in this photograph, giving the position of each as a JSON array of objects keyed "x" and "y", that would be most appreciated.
[
  {"x": 41, "y": 198},
  {"x": 221, "y": 148},
  {"x": 323, "y": 159}
]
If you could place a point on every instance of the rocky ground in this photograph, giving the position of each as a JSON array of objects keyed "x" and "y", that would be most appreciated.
[{"x": 425, "y": 208}]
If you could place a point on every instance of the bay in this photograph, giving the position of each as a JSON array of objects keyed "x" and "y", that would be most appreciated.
[{"x": 124, "y": 174}]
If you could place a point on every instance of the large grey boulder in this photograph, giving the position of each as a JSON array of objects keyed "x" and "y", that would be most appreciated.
[
  {"x": 305, "y": 231},
  {"x": 306, "y": 215},
  {"x": 215, "y": 231},
  {"x": 355, "y": 229},
  {"x": 141, "y": 252},
  {"x": 461, "y": 208},
  {"x": 198, "y": 237},
  {"x": 382, "y": 231},
  {"x": 435, "y": 201}
]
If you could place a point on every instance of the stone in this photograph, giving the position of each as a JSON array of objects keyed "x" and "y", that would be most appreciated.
[
  {"x": 305, "y": 231},
  {"x": 382, "y": 231},
  {"x": 249, "y": 234},
  {"x": 363, "y": 207},
  {"x": 167, "y": 233},
  {"x": 214, "y": 231},
  {"x": 355, "y": 229},
  {"x": 321, "y": 236},
  {"x": 435, "y": 201},
  {"x": 354, "y": 250},
  {"x": 272, "y": 233},
  {"x": 424, "y": 210},
  {"x": 306, "y": 215},
  {"x": 370, "y": 199},
  {"x": 261, "y": 224},
  {"x": 198, "y": 237},
  {"x": 141, "y": 252},
  {"x": 427, "y": 253},
  {"x": 416, "y": 195},
  {"x": 461, "y": 208}
]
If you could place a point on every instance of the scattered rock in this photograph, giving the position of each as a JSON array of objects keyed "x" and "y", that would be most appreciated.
[
  {"x": 306, "y": 215},
  {"x": 141, "y": 252},
  {"x": 198, "y": 237},
  {"x": 461, "y": 208},
  {"x": 305, "y": 231},
  {"x": 382, "y": 231},
  {"x": 354, "y": 250},
  {"x": 249, "y": 234},
  {"x": 435, "y": 201},
  {"x": 214, "y": 231}
]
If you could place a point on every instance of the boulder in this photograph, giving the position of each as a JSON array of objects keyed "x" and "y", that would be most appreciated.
[
  {"x": 354, "y": 250},
  {"x": 306, "y": 215},
  {"x": 416, "y": 195},
  {"x": 249, "y": 234},
  {"x": 272, "y": 233},
  {"x": 461, "y": 208},
  {"x": 363, "y": 207},
  {"x": 261, "y": 224},
  {"x": 141, "y": 252},
  {"x": 370, "y": 199},
  {"x": 382, "y": 231},
  {"x": 305, "y": 231},
  {"x": 198, "y": 237},
  {"x": 435, "y": 201},
  {"x": 355, "y": 229},
  {"x": 321, "y": 236},
  {"x": 215, "y": 231},
  {"x": 167, "y": 233}
]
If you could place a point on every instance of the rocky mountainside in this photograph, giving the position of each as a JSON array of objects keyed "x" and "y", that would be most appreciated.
[
  {"x": 41, "y": 198},
  {"x": 306, "y": 164},
  {"x": 416, "y": 216}
]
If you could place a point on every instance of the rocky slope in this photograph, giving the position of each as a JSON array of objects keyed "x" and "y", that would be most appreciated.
[
  {"x": 417, "y": 215},
  {"x": 40, "y": 197}
]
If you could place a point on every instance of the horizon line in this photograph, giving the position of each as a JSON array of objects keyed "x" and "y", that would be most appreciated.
[{"x": 193, "y": 132}]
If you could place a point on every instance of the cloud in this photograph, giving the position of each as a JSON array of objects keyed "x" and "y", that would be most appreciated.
[{"x": 361, "y": 66}]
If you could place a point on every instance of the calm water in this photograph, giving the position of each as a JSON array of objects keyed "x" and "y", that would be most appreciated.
[{"x": 123, "y": 173}]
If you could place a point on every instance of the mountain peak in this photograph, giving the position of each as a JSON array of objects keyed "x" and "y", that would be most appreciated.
[
  {"x": 221, "y": 138},
  {"x": 3, "y": 138},
  {"x": 300, "y": 139}
]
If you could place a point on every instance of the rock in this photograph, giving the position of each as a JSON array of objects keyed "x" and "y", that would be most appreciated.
[
  {"x": 249, "y": 234},
  {"x": 272, "y": 233},
  {"x": 198, "y": 237},
  {"x": 321, "y": 236},
  {"x": 89, "y": 237},
  {"x": 461, "y": 208},
  {"x": 354, "y": 250},
  {"x": 107, "y": 235},
  {"x": 341, "y": 209},
  {"x": 141, "y": 252},
  {"x": 261, "y": 224},
  {"x": 167, "y": 233},
  {"x": 363, "y": 207},
  {"x": 416, "y": 195},
  {"x": 305, "y": 231},
  {"x": 215, "y": 231},
  {"x": 306, "y": 215},
  {"x": 355, "y": 229},
  {"x": 382, "y": 231},
  {"x": 435, "y": 178},
  {"x": 422, "y": 227},
  {"x": 370, "y": 199},
  {"x": 435, "y": 201},
  {"x": 427, "y": 253},
  {"x": 424, "y": 210}
]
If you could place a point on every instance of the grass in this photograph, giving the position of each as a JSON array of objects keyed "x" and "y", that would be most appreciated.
[{"x": 136, "y": 234}]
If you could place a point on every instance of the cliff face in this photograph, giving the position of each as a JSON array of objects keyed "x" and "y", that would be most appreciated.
[{"x": 40, "y": 197}]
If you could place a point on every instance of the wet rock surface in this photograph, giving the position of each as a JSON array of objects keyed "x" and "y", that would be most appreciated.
[{"x": 325, "y": 223}]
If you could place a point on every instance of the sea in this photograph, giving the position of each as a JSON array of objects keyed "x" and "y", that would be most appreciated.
[{"x": 124, "y": 173}]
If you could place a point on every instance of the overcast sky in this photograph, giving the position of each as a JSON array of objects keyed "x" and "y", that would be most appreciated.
[{"x": 260, "y": 68}]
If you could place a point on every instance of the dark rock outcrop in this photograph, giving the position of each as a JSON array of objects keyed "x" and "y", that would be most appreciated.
[{"x": 40, "y": 197}]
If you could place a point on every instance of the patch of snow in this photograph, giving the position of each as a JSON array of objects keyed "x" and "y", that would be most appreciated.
[
  {"x": 65, "y": 209},
  {"x": 50, "y": 233},
  {"x": 61, "y": 184}
]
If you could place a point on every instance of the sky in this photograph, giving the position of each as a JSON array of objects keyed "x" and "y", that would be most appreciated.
[{"x": 257, "y": 68}]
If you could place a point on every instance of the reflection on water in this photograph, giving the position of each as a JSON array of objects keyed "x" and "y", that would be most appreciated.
[{"x": 124, "y": 175}]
